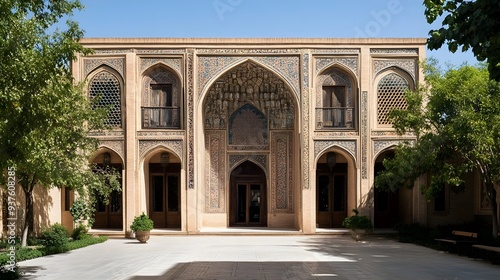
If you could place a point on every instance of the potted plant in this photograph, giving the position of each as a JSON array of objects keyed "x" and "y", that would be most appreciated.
[
  {"x": 359, "y": 225},
  {"x": 142, "y": 226}
]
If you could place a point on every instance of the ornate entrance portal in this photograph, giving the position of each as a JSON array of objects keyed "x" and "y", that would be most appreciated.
[
  {"x": 248, "y": 196},
  {"x": 249, "y": 125}
]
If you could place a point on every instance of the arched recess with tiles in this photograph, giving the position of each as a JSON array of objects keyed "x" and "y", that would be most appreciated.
[{"x": 250, "y": 112}]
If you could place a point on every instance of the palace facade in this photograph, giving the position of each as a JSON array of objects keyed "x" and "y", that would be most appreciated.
[{"x": 272, "y": 133}]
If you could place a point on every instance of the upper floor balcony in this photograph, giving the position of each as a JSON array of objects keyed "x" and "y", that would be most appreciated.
[
  {"x": 335, "y": 118},
  {"x": 161, "y": 117}
]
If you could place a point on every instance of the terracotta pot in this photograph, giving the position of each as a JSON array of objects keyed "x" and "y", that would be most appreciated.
[
  {"x": 142, "y": 236},
  {"x": 358, "y": 234}
]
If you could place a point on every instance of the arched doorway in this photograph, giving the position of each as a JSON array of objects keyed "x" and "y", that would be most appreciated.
[
  {"x": 386, "y": 204},
  {"x": 109, "y": 215},
  {"x": 248, "y": 196},
  {"x": 331, "y": 190},
  {"x": 163, "y": 190},
  {"x": 249, "y": 114}
]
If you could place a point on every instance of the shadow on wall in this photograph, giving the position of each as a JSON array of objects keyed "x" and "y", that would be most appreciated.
[{"x": 42, "y": 205}]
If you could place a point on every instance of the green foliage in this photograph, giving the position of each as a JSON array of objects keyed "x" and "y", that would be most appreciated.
[
  {"x": 142, "y": 223},
  {"x": 357, "y": 222},
  {"x": 55, "y": 239},
  {"x": 107, "y": 180},
  {"x": 458, "y": 132},
  {"x": 80, "y": 232},
  {"x": 25, "y": 253},
  {"x": 81, "y": 211},
  {"x": 45, "y": 118},
  {"x": 470, "y": 25},
  {"x": 85, "y": 242}
]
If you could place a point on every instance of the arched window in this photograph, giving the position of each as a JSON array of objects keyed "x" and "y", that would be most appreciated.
[
  {"x": 390, "y": 95},
  {"x": 105, "y": 89},
  {"x": 335, "y": 107},
  {"x": 160, "y": 100}
]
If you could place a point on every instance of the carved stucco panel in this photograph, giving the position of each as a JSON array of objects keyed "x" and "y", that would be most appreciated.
[
  {"x": 304, "y": 98},
  {"x": 190, "y": 117},
  {"x": 349, "y": 62},
  {"x": 160, "y": 134},
  {"x": 336, "y": 51},
  {"x": 287, "y": 66},
  {"x": 348, "y": 145},
  {"x": 161, "y": 51},
  {"x": 215, "y": 164},
  {"x": 260, "y": 160},
  {"x": 380, "y": 145},
  {"x": 247, "y": 51},
  {"x": 174, "y": 63},
  {"x": 212, "y": 66},
  {"x": 114, "y": 145},
  {"x": 146, "y": 146},
  {"x": 409, "y": 65},
  {"x": 394, "y": 51},
  {"x": 364, "y": 134},
  {"x": 282, "y": 172},
  {"x": 90, "y": 64}
]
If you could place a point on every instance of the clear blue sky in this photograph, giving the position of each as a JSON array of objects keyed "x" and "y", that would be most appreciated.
[{"x": 261, "y": 19}]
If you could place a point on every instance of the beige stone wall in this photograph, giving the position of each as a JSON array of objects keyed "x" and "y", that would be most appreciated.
[{"x": 302, "y": 67}]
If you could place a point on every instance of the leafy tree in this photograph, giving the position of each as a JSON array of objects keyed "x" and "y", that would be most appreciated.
[
  {"x": 470, "y": 24},
  {"x": 44, "y": 117},
  {"x": 456, "y": 120}
]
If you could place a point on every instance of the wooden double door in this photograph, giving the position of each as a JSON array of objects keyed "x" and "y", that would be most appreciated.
[
  {"x": 248, "y": 199},
  {"x": 109, "y": 213},
  {"x": 165, "y": 200},
  {"x": 331, "y": 196}
]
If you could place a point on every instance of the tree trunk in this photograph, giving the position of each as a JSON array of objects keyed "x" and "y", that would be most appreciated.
[{"x": 29, "y": 217}]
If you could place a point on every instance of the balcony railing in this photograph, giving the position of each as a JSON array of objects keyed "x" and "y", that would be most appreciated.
[
  {"x": 335, "y": 117},
  {"x": 160, "y": 117}
]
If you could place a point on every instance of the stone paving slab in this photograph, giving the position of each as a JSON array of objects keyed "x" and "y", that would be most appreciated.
[{"x": 256, "y": 257}]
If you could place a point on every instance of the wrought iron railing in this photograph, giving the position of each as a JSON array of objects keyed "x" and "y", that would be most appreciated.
[
  {"x": 160, "y": 117},
  {"x": 335, "y": 117}
]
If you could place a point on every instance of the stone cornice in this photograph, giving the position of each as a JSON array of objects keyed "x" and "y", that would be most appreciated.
[{"x": 243, "y": 42}]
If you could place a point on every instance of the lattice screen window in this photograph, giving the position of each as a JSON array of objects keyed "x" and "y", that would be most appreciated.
[
  {"x": 390, "y": 95},
  {"x": 106, "y": 88}
]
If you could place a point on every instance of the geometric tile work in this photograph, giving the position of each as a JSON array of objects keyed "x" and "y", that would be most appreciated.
[
  {"x": 390, "y": 95},
  {"x": 106, "y": 88}
]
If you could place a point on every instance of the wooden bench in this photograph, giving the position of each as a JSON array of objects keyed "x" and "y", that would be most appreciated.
[{"x": 460, "y": 241}]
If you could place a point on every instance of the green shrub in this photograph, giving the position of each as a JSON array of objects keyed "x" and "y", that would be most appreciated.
[
  {"x": 55, "y": 239},
  {"x": 142, "y": 223},
  {"x": 85, "y": 242},
  {"x": 80, "y": 232},
  {"x": 6, "y": 269},
  {"x": 358, "y": 222}
]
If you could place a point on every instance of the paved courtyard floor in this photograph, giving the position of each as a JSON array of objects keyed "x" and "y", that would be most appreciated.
[{"x": 256, "y": 257}]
